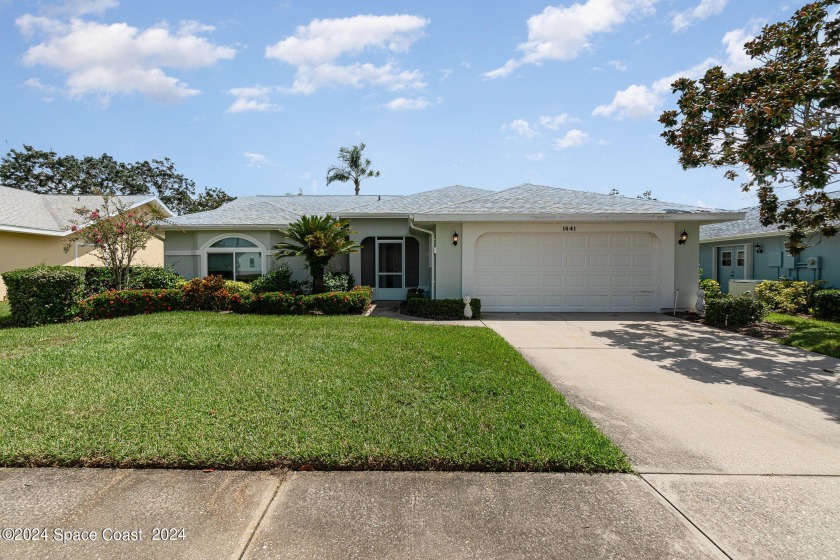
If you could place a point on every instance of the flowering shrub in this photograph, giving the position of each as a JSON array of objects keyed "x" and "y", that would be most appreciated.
[
  {"x": 206, "y": 294},
  {"x": 130, "y": 302}
]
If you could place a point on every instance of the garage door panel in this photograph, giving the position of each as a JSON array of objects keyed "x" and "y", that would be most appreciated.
[{"x": 566, "y": 272}]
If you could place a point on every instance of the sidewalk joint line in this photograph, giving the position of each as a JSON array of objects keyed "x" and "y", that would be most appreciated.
[
  {"x": 280, "y": 482},
  {"x": 687, "y": 518},
  {"x": 767, "y": 475}
]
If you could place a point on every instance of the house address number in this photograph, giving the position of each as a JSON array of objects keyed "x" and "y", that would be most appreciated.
[{"x": 569, "y": 228}]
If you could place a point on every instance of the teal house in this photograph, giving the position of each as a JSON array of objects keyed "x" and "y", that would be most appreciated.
[{"x": 742, "y": 251}]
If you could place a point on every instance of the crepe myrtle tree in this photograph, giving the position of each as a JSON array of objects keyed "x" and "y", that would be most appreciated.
[
  {"x": 354, "y": 168},
  {"x": 777, "y": 122},
  {"x": 117, "y": 231},
  {"x": 317, "y": 239}
]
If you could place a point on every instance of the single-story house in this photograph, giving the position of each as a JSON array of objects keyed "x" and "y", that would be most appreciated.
[
  {"x": 527, "y": 248},
  {"x": 33, "y": 228},
  {"x": 745, "y": 250}
]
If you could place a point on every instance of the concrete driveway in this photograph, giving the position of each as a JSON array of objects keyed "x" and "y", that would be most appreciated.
[{"x": 740, "y": 435}]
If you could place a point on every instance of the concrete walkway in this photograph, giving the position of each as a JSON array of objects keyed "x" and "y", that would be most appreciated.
[
  {"x": 737, "y": 442},
  {"x": 740, "y": 435}
]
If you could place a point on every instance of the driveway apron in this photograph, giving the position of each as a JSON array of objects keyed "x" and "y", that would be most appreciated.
[{"x": 742, "y": 436}]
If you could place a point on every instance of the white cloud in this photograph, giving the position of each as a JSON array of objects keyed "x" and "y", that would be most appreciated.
[
  {"x": 705, "y": 9},
  {"x": 407, "y": 104},
  {"x": 255, "y": 159},
  {"x": 572, "y": 139},
  {"x": 538, "y": 156},
  {"x": 557, "y": 121},
  {"x": 618, "y": 65},
  {"x": 252, "y": 99},
  {"x": 108, "y": 59},
  {"x": 642, "y": 101},
  {"x": 521, "y": 128},
  {"x": 564, "y": 32},
  {"x": 314, "y": 50}
]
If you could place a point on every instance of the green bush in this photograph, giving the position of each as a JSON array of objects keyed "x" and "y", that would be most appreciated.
[
  {"x": 206, "y": 294},
  {"x": 100, "y": 279},
  {"x": 415, "y": 293},
  {"x": 44, "y": 294},
  {"x": 336, "y": 281},
  {"x": 130, "y": 302},
  {"x": 356, "y": 301},
  {"x": 711, "y": 287},
  {"x": 277, "y": 280},
  {"x": 788, "y": 296},
  {"x": 234, "y": 286},
  {"x": 827, "y": 304},
  {"x": 441, "y": 309},
  {"x": 735, "y": 311}
]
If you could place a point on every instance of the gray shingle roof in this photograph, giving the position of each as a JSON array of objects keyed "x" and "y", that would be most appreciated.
[
  {"x": 272, "y": 210},
  {"x": 536, "y": 199},
  {"x": 419, "y": 202},
  {"x": 47, "y": 212},
  {"x": 750, "y": 225}
]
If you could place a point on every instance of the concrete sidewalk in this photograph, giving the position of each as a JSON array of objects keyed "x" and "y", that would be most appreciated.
[
  {"x": 740, "y": 435},
  {"x": 260, "y": 515}
]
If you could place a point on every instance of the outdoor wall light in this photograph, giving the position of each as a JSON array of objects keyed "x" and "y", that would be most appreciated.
[
  {"x": 758, "y": 249},
  {"x": 455, "y": 238},
  {"x": 683, "y": 238}
]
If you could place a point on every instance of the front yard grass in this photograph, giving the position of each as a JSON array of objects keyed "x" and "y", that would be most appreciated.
[
  {"x": 809, "y": 334},
  {"x": 193, "y": 389}
]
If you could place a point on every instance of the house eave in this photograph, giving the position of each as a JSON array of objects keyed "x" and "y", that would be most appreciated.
[
  {"x": 709, "y": 218},
  {"x": 34, "y": 231},
  {"x": 193, "y": 227},
  {"x": 744, "y": 236}
]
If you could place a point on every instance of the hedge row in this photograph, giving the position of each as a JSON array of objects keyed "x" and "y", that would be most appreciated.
[
  {"x": 140, "y": 302},
  {"x": 788, "y": 296},
  {"x": 827, "y": 304},
  {"x": 441, "y": 309},
  {"x": 44, "y": 294},
  {"x": 737, "y": 311}
]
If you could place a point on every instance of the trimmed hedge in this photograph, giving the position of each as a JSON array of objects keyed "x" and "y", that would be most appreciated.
[
  {"x": 277, "y": 280},
  {"x": 738, "y": 311},
  {"x": 441, "y": 309},
  {"x": 130, "y": 302},
  {"x": 206, "y": 294},
  {"x": 100, "y": 279},
  {"x": 44, "y": 294},
  {"x": 354, "y": 302},
  {"x": 827, "y": 304}
]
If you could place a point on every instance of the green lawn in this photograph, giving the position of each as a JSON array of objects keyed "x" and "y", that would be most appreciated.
[
  {"x": 244, "y": 391},
  {"x": 810, "y": 334}
]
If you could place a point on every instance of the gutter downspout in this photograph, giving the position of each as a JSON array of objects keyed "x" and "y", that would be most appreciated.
[{"x": 433, "y": 252}]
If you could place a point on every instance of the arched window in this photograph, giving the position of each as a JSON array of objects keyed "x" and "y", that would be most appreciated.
[{"x": 234, "y": 258}]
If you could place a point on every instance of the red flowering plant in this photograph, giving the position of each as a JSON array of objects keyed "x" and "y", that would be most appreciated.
[{"x": 118, "y": 232}]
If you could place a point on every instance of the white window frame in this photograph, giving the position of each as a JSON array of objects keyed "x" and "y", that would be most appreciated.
[{"x": 206, "y": 249}]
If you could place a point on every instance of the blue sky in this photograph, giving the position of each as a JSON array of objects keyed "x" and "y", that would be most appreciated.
[{"x": 257, "y": 97}]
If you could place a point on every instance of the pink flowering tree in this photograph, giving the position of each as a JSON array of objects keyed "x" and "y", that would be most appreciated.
[{"x": 118, "y": 233}]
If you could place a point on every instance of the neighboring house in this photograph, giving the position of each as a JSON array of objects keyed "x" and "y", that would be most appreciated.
[
  {"x": 527, "y": 248},
  {"x": 33, "y": 228},
  {"x": 746, "y": 250}
]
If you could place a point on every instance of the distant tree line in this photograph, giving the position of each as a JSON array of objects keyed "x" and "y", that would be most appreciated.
[{"x": 45, "y": 172}]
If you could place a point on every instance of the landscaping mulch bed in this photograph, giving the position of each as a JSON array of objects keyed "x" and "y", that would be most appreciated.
[{"x": 764, "y": 330}]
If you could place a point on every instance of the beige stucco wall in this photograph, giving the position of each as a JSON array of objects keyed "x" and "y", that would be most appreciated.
[{"x": 22, "y": 250}]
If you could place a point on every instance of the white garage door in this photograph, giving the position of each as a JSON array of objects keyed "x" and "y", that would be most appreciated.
[{"x": 565, "y": 272}]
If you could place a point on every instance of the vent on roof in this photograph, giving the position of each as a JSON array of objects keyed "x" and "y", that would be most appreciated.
[{"x": 378, "y": 198}]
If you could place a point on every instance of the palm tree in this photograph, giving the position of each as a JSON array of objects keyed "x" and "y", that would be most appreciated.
[
  {"x": 317, "y": 239},
  {"x": 354, "y": 168}
]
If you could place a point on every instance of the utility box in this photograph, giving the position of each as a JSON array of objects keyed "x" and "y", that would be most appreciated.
[
  {"x": 789, "y": 262},
  {"x": 814, "y": 262},
  {"x": 738, "y": 287}
]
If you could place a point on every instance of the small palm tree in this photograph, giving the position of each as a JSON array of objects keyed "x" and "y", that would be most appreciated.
[
  {"x": 317, "y": 239},
  {"x": 354, "y": 169}
]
